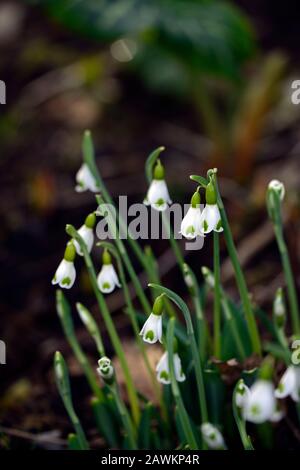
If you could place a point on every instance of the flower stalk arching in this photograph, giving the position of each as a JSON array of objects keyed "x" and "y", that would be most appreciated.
[
  {"x": 132, "y": 315},
  {"x": 89, "y": 159},
  {"x": 107, "y": 373},
  {"x": 64, "y": 313},
  {"x": 121, "y": 248},
  {"x": 274, "y": 200},
  {"x": 240, "y": 279},
  {"x": 195, "y": 353},
  {"x": 132, "y": 394},
  {"x": 240, "y": 421},
  {"x": 183, "y": 416},
  {"x": 63, "y": 385},
  {"x": 217, "y": 298}
]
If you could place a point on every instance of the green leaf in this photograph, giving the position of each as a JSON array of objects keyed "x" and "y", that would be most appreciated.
[
  {"x": 213, "y": 37},
  {"x": 106, "y": 422},
  {"x": 145, "y": 427},
  {"x": 73, "y": 442}
]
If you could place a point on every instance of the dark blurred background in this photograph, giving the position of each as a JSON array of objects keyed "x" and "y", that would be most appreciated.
[{"x": 209, "y": 80}]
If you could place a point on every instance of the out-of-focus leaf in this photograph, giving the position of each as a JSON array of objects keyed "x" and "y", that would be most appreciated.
[
  {"x": 212, "y": 36},
  {"x": 215, "y": 390},
  {"x": 105, "y": 422},
  {"x": 228, "y": 345},
  {"x": 145, "y": 427}
]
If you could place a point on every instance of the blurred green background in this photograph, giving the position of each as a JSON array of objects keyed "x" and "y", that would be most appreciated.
[{"x": 210, "y": 80}]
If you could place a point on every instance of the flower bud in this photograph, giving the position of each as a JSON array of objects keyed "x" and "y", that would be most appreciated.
[
  {"x": 279, "y": 309},
  {"x": 106, "y": 370},
  {"x": 208, "y": 277}
]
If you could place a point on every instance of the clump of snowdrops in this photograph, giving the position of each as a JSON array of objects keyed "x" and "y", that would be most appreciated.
[{"x": 194, "y": 407}]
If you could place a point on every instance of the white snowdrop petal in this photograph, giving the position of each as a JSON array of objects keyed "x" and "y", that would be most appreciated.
[
  {"x": 212, "y": 436},
  {"x": 190, "y": 225},
  {"x": 152, "y": 329},
  {"x": 87, "y": 235},
  {"x": 180, "y": 376},
  {"x": 242, "y": 395},
  {"x": 158, "y": 195},
  {"x": 85, "y": 180},
  {"x": 107, "y": 279},
  {"x": 287, "y": 383},
  {"x": 65, "y": 275},
  {"x": 261, "y": 404}
]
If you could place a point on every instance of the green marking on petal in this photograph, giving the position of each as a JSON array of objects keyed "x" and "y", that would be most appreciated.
[
  {"x": 205, "y": 225},
  {"x": 106, "y": 285},
  {"x": 160, "y": 202},
  {"x": 281, "y": 387},
  {"x": 66, "y": 281},
  {"x": 255, "y": 410},
  {"x": 190, "y": 230},
  {"x": 164, "y": 375},
  {"x": 54, "y": 279},
  {"x": 219, "y": 225},
  {"x": 212, "y": 436},
  {"x": 150, "y": 335}
]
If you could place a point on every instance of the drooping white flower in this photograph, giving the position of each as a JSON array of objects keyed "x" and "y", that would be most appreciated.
[
  {"x": 107, "y": 278},
  {"x": 85, "y": 180},
  {"x": 105, "y": 369},
  {"x": 260, "y": 406},
  {"x": 152, "y": 329},
  {"x": 212, "y": 437},
  {"x": 158, "y": 195},
  {"x": 190, "y": 225},
  {"x": 289, "y": 384},
  {"x": 242, "y": 394},
  {"x": 163, "y": 371},
  {"x": 86, "y": 233},
  {"x": 65, "y": 274},
  {"x": 210, "y": 218}
]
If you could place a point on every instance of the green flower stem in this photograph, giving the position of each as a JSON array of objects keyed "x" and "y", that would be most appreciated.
[
  {"x": 217, "y": 298},
  {"x": 289, "y": 278},
  {"x": 127, "y": 423},
  {"x": 241, "y": 283},
  {"x": 121, "y": 248},
  {"x": 64, "y": 313},
  {"x": 63, "y": 385},
  {"x": 132, "y": 316},
  {"x": 154, "y": 278},
  {"x": 195, "y": 353},
  {"x": 241, "y": 424},
  {"x": 203, "y": 336},
  {"x": 183, "y": 416},
  {"x": 89, "y": 159},
  {"x": 132, "y": 395}
]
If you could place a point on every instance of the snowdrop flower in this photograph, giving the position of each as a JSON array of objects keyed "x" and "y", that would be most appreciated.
[
  {"x": 163, "y": 372},
  {"x": 152, "y": 329},
  {"x": 107, "y": 278},
  {"x": 276, "y": 416},
  {"x": 85, "y": 180},
  {"x": 190, "y": 225},
  {"x": 208, "y": 277},
  {"x": 289, "y": 384},
  {"x": 242, "y": 394},
  {"x": 212, "y": 437},
  {"x": 158, "y": 194},
  {"x": 106, "y": 369},
  {"x": 278, "y": 187},
  {"x": 261, "y": 404},
  {"x": 66, "y": 274},
  {"x": 86, "y": 233},
  {"x": 210, "y": 218}
]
